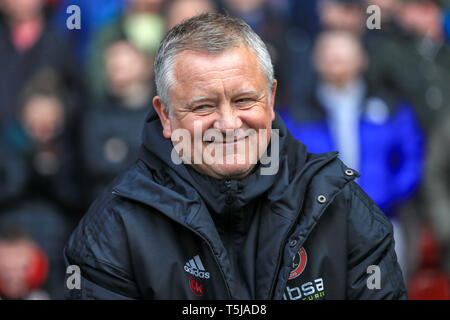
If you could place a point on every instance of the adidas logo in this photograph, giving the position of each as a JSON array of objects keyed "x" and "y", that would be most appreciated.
[{"x": 195, "y": 267}]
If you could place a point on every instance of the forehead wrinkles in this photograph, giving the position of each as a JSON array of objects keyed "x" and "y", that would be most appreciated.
[
  {"x": 232, "y": 60},
  {"x": 210, "y": 75},
  {"x": 225, "y": 80},
  {"x": 212, "y": 68},
  {"x": 221, "y": 81}
]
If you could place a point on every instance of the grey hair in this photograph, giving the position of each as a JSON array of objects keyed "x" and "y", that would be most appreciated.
[{"x": 208, "y": 32}]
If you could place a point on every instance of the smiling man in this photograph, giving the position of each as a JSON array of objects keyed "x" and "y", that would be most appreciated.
[
  {"x": 227, "y": 97},
  {"x": 199, "y": 216}
]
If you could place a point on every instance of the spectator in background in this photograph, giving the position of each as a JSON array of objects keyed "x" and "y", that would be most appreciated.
[
  {"x": 344, "y": 15},
  {"x": 437, "y": 188},
  {"x": 179, "y": 10},
  {"x": 23, "y": 266},
  {"x": 415, "y": 64},
  {"x": 111, "y": 129},
  {"x": 12, "y": 175},
  {"x": 28, "y": 44},
  {"x": 142, "y": 24},
  {"x": 94, "y": 16},
  {"x": 40, "y": 137},
  {"x": 379, "y": 138},
  {"x": 351, "y": 16},
  {"x": 49, "y": 228}
]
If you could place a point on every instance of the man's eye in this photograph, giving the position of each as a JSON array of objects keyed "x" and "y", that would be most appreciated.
[
  {"x": 243, "y": 102},
  {"x": 202, "y": 108}
]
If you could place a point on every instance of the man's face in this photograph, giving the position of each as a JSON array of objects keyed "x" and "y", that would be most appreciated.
[
  {"x": 226, "y": 94},
  {"x": 43, "y": 118},
  {"x": 338, "y": 59},
  {"x": 125, "y": 66},
  {"x": 21, "y": 9},
  {"x": 15, "y": 261}
]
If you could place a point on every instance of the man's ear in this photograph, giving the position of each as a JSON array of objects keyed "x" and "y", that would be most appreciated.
[
  {"x": 272, "y": 102},
  {"x": 164, "y": 117}
]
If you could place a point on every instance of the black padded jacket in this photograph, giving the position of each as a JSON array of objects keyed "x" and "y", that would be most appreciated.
[{"x": 162, "y": 231}]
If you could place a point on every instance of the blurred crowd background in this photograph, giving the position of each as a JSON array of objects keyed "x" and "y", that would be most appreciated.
[{"x": 73, "y": 103}]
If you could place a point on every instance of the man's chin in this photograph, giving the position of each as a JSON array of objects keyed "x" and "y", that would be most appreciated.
[{"x": 229, "y": 171}]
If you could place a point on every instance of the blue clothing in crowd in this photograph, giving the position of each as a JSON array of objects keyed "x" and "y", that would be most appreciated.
[
  {"x": 391, "y": 147},
  {"x": 94, "y": 15}
]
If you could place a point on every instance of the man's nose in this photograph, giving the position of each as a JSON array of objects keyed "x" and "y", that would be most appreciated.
[{"x": 227, "y": 119}]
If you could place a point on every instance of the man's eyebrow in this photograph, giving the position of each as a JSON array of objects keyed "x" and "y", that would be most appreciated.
[
  {"x": 197, "y": 99},
  {"x": 248, "y": 92}
]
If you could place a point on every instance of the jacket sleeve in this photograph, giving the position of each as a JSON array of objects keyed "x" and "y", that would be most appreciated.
[
  {"x": 86, "y": 289},
  {"x": 98, "y": 249},
  {"x": 372, "y": 270},
  {"x": 89, "y": 290}
]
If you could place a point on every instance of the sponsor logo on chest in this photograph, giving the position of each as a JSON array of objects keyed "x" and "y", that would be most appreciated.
[{"x": 299, "y": 288}]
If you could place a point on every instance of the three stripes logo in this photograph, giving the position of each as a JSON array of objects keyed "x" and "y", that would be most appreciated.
[{"x": 195, "y": 267}]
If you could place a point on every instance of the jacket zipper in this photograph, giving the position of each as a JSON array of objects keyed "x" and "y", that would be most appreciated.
[
  {"x": 283, "y": 244},
  {"x": 291, "y": 229},
  {"x": 280, "y": 258},
  {"x": 195, "y": 232}
]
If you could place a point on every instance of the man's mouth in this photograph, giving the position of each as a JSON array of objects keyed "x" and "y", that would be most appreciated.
[
  {"x": 236, "y": 140},
  {"x": 228, "y": 140}
]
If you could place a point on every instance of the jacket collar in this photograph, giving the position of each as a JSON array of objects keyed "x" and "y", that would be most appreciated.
[
  {"x": 157, "y": 179},
  {"x": 219, "y": 195}
]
